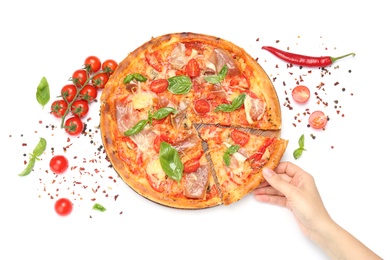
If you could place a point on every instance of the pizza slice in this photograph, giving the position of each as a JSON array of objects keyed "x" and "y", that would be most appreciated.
[{"x": 238, "y": 158}]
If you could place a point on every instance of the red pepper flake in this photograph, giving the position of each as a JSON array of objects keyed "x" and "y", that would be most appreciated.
[
  {"x": 336, "y": 83},
  {"x": 24, "y": 144},
  {"x": 116, "y": 196}
]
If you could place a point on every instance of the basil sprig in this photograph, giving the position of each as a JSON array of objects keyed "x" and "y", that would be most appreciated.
[
  {"x": 159, "y": 114},
  {"x": 38, "y": 151},
  {"x": 179, "y": 84},
  {"x": 43, "y": 92},
  {"x": 170, "y": 161},
  {"x": 136, "y": 76},
  {"x": 236, "y": 103},
  {"x": 215, "y": 79},
  {"x": 298, "y": 152},
  {"x": 231, "y": 150}
]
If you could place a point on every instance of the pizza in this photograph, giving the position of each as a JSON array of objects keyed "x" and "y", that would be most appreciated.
[{"x": 189, "y": 120}]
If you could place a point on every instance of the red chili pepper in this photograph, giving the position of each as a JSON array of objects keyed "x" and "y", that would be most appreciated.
[{"x": 304, "y": 60}]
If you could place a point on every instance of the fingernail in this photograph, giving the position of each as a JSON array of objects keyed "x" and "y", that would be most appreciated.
[{"x": 267, "y": 172}]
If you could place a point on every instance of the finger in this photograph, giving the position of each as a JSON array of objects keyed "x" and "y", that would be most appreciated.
[
  {"x": 275, "y": 200},
  {"x": 269, "y": 190},
  {"x": 288, "y": 168},
  {"x": 277, "y": 182}
]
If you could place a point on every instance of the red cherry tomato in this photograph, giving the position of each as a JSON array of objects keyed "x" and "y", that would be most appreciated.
[
  {"x": 74, "y": 125},
  {"x": 239, "y": 137},
  {"x": 68, "y": 92},
  {"x": 79, "y": 77},
  {"x": 318, "y": 119},
  {"x": 192, "y": 68},
  {"x": 159, "y": 85},
  {"x": 301, "y": 94},
  {"x": 92, "y": 64},
  {"x": 58, "y": 108},
  {"x": 202, "y": 106},
  {"x": 191, "y": 165},
  {"x": 88, "y": 93},
  {"x": 59, "y": 164},
  {"x": 80, "y": 108},
  {"x": 100, "y": 80},
  {"x": 63, "y": 206},
  {"x": 109, "y": 66}
]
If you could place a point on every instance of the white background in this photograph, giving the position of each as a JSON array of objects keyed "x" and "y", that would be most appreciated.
[{"x": 52, "y": 39}]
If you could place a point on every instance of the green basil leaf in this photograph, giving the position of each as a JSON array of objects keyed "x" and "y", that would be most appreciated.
[
  {"x": 128, "y": 78},
  {"x": 43, "y": 92},
  {"x": 40, "y": 148},
  {"x": 163, "y": 112},
  {"x": 170, "y": 161},
  {"x": 136, "y": 128},
  {"x": 301, "y": 141},
  {"x": 297, "y": 153},
  {"x": 179, "y": 84},
  {"x": 236, "y": 104},
  {"x": 29, "y": 167},
  {"x": 215, "y": 79},
  {"x": 231, "y": 150},
  {"x": 139, "y": 77},
  {"x": 99, "y": 207}
]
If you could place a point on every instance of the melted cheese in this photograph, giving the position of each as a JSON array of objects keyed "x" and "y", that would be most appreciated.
[
  {"x": 248, "y": 107},
  {"x": 143, "y": 99},
  {"x": 154, "y": 167}
]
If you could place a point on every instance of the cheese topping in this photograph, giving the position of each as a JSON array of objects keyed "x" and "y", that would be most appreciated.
[{"x": 143, "y": 99}]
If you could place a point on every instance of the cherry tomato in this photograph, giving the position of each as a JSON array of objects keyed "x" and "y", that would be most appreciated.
[
  {"x": 154, "y": 60},
  {"x": 159, "y": 85},
  {"x": 80, "y": 108},
  {"x": 300, "y": 94},
  {"x": 63, "y": 206},
  {"x": 155, "y": 183},
  {"x": 202, "y": 106},
  {"x": 318, "y": 119},
  {"x": 79, "y": 77},
  {"x": 68, "y": 92},
  {"x": 92, "y": 64},
  {"x": 192, "y": 68},
  {"x": 191, "y": 165},
  {"x": 59, "y": 164},
  {"x": 74, "y": 125},
  {"x": 88, "y": 93},
  {"x": 109, "y": 66},
  {"x": 239, "y": 137},
  {"x": 58, "y": 108},
  {"x": 100, "y": 80}
]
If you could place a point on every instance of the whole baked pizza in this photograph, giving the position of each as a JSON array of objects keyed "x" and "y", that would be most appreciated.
[{"x": 189, "y": 121}]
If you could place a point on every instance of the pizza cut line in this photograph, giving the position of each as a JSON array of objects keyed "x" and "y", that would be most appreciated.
[{"x": 189, "y": 121}]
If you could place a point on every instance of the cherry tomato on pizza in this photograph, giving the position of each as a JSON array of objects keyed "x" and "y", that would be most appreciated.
[
  {"x": 80, "y": 77},
  {"x": 88, "y": 93},
  {"x": 159, "y": 85},
  {"x": 68, "y": 92},
  {"x": 318, "y": 119},
  {"x": 155, "y": 183},
  {"x": 58, "y": 164},
  {"x": 191, "y": 165},
  {"x": 239, "y": 137},
  {"x": 202, "y": 106},
  {"x": 301, "y": 94},
  {"x": 74, "y": 126},
  {"x": 58, "y": 108},
  {"x": 92, "y": 64},
  {"x": 80, "y": 108},
  {"x": 100, "y": 80},
  {"x": 192, "y": 68},
  {"x": 109, "y": 66},
  {"x": 63, "y": 206}
]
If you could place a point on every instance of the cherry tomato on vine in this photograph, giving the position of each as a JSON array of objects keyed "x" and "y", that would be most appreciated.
[
  {"x": 63, "y": 206},
  {"x": 109, "y": 66},
  {"x": 239, "y": 137},
  {"x": 79, "y": 77},
  {"x": 80, "y": 108},
  {"x": 59, "y": 164},
  {"x": 301, "y": 94},
  {"x": 74, "y": 126},
  {"x": 88, "y": 93},
  {"x": 58, "y": 108},
  {"x": 318, "y": 119},
  {"x": 100, "y": 80},
  {"x": 92, "y": 64},
  {"x": 68, "y": 92}
]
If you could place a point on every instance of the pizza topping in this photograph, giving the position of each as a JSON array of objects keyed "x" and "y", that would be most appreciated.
[
  {"x": 202, "y": 106},
  {"x": 236, "y": 104},
  {"x": 221, "y": 58},
  {"x": 228, "y": 152},
  {"x": 215, "y": 79},
  {"x": 191, "y": 165},
  {"x": 134, "y": 76},
  {"x": 159, "y": 85},
  {"x": 192, "y": 68},
  {"x": 254, "y": 109},
  {"x": 143, "y": 99},
  {"x": 170, "y": 161},
  {"x": 154, "y": 60},
  {"x": 179, "y": 84},
  {"x": 196, "y": 183},
  {"x": 239, "y": 137}
]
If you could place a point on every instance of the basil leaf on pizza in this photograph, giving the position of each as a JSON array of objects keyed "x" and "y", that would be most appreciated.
[
  {"x": 179, "y": 84},
  {"x": 236, "y": 104},
  {"x": 135, "y": 76},
  {"x": 228, "y": 152},
  {"x": 163, "y": 113},
  {"x": 170, "y": 161},
  {"x": 215, "y": 79}
]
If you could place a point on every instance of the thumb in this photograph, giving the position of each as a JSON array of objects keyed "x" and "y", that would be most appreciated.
[{"x": 276, "y": 181}]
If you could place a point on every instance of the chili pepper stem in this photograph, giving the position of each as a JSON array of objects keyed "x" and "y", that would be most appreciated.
[{"x": 340, "y": 57}]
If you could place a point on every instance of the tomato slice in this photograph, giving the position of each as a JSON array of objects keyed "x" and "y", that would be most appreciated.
[
  {"x": 202, "y": 106},
  {"x": 191, "y": 165},
  {"x": 192, "y": 68},
  {"x": 301, "y": 94},
  {"x": 154, "y": 182},
  {"x": 318, "y": 119},
  {"x": 239, "y": 137},
  {"x": 154, "y": 60},
  {"x": 159, "y": 85}
]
